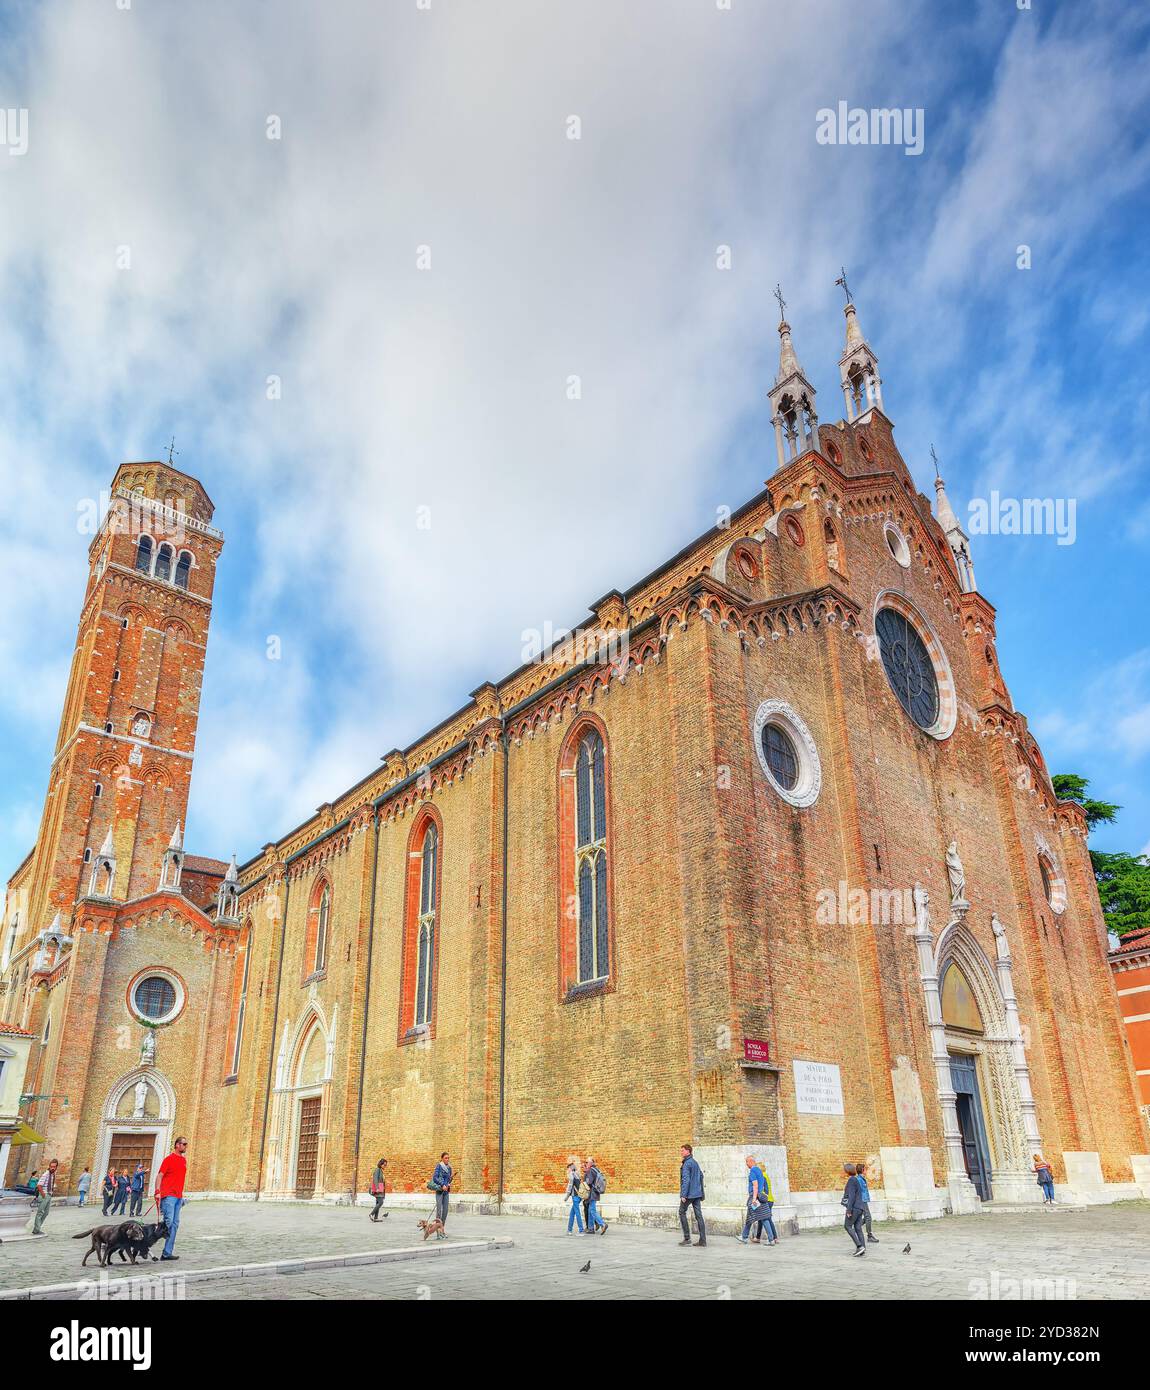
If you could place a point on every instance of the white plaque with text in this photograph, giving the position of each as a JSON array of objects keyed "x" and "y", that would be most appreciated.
[{"x": 818, "y": 1088}]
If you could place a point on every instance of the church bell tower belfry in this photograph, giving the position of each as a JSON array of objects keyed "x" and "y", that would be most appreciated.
[
  {"x": 792, "y": 398},
  {"x": 122, "y": 766}
]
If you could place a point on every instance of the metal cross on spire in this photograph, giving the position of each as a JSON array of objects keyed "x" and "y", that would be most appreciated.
[
  {"x": 842, "y": 280},
  {"x": 782, "y": 304},
  {"x": 934, "y": 459},
  {"x": 172, "y": 448}
]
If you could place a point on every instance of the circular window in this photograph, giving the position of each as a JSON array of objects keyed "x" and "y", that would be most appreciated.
[
  {"x": 155, "y": 997},
  {"x": 794, "y": 529},
  {"x": 864, "y": 445},
  {"x": 908, "y": 667},
  {"x": 787, "y": 753},
  {"x": 746, "y": 563},
  {"x": 833, "y": 453},
  {"x": 896, "y": 544}
]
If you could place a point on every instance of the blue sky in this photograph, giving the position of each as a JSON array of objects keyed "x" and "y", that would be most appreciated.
[{"x": 406, "y": 389}]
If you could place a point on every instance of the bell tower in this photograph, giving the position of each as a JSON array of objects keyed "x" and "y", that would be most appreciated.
[{"x": 119, "y": 780}]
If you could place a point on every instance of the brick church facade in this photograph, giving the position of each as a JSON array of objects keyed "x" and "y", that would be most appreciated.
[{"x": 763, "y": 858}]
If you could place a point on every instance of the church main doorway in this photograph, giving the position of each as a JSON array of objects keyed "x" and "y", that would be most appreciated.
[
  {"x": 968, "y": 1103},
  {"x": 307, "y": 1153}
]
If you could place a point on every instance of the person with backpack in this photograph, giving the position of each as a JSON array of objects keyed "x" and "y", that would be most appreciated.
[
  {"x": 440, "y": 1184},
  {"x": 760, "y": 1200},
  {"x": 378, "y": 1188},
  {"x": 597, "y": 1181},
  {"x": 852, "y": 1200},
  {"x": 1045, "y": 1175},
  {"x": 860, "y": 1173},
  {"x": 571, "y": 1194},
  {"x": 83, "y": 1185},
  {"x": 691, "y": 1194}
]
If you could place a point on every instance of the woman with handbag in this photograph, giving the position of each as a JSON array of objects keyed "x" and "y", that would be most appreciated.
[
  {"x": 571, "y": 1194},
  {"x": 378, "y": 1188}
]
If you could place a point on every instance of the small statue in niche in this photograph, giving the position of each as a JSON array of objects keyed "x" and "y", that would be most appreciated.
[
  {"x": 141, "y": 1099},
  {"x": 148, "y": 1048}
]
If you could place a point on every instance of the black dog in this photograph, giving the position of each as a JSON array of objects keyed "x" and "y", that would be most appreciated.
[
  {"x": 128, "y": 1238},
  {"x": 153, "y": 1231}
]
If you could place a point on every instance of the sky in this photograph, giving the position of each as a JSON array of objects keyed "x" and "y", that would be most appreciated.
[{"x": 420, "y": 220}]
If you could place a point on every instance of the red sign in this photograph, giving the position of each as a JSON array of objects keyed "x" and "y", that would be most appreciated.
[{"x": 756, "y": 1050}]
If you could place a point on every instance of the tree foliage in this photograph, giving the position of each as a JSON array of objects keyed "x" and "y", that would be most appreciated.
[{"x": 1123, "y": 879}]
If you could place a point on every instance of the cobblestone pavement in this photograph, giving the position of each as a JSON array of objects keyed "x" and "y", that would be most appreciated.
[{"x": 1100, "y": 1252}]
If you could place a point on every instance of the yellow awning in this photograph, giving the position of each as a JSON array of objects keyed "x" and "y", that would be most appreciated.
[{"x": 26, "y": 1135}]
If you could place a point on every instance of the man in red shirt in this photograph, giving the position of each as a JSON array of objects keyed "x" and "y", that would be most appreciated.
[{"x": 170, "y": 1192}]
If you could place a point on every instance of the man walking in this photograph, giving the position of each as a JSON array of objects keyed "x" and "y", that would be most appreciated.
[
  {"x": 691, "y": 1194},
  {"x": 852, "y": 1200},
  {"x": 759, "y": 1201},
  {"x": 83, "y": 1185},
  {"x": 138, "y": 1179},
  {"x": 45, "y": 1187},
  {"x": 170, "y": 1192},
  {"x": 108, "y": 1187},
  {"x": 441, "y": 1182}
]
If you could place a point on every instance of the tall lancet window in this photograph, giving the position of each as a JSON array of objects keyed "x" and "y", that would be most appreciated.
[
  {"x": 144, "y": 554},
  {"x": 322, "y": 928},
  {"x": 584, "y": 861},
  {"x": 591, "y": 856},
  {"x": 421, "y": 928},
  {"x": 427, "y": 905}
]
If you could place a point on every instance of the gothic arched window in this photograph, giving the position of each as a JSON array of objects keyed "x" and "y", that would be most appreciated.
[
  {"x": 144, "y": 555},
  {"x": 321, "y": 928},
  {"x": 426, "y": 942},
  {"x": 418, "y": 998},
  {"x": 164, "y": 562},
  {"x": 318, "y": 935},
  {"x": 183, "y": 569},
  {"x": 585, "y": 860}
]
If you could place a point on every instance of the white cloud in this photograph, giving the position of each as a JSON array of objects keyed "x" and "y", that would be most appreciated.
[{"x": 446, "y": 388}]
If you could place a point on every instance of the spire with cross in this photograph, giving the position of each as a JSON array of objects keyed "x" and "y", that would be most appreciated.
[
  {"x": 782, "y": 304},
  {"x": 842, "y": 282}
]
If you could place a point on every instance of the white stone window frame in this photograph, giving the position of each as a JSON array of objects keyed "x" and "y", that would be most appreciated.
[
  {"x": 810, "y": 779},
  {"x": 947, "y": 720},
  {"x": 176, "y": 983},
  {"x": 900, "y": 551},
  {"x": 1057, "y": 899}
]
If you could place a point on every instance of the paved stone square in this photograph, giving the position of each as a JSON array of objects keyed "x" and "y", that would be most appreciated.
[{"x": 1099, "y": 1253}]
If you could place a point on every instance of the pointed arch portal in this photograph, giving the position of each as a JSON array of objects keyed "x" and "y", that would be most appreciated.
[{"x": 990, "y": 1124}]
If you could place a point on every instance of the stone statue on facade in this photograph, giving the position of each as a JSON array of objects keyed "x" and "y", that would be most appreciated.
[
  {"x": 956, "y": 874},
  {"x": 1001, "y": 945},
  {"x": 921, "y": 910},
  {"x": 141, "y": 1099},
  {"x": 148, "y": 1048}
]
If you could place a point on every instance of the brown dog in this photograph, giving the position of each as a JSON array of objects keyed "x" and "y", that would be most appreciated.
[
  {"x": 106, "y": 1240},
  {"x": 430, "y": 1228}
]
